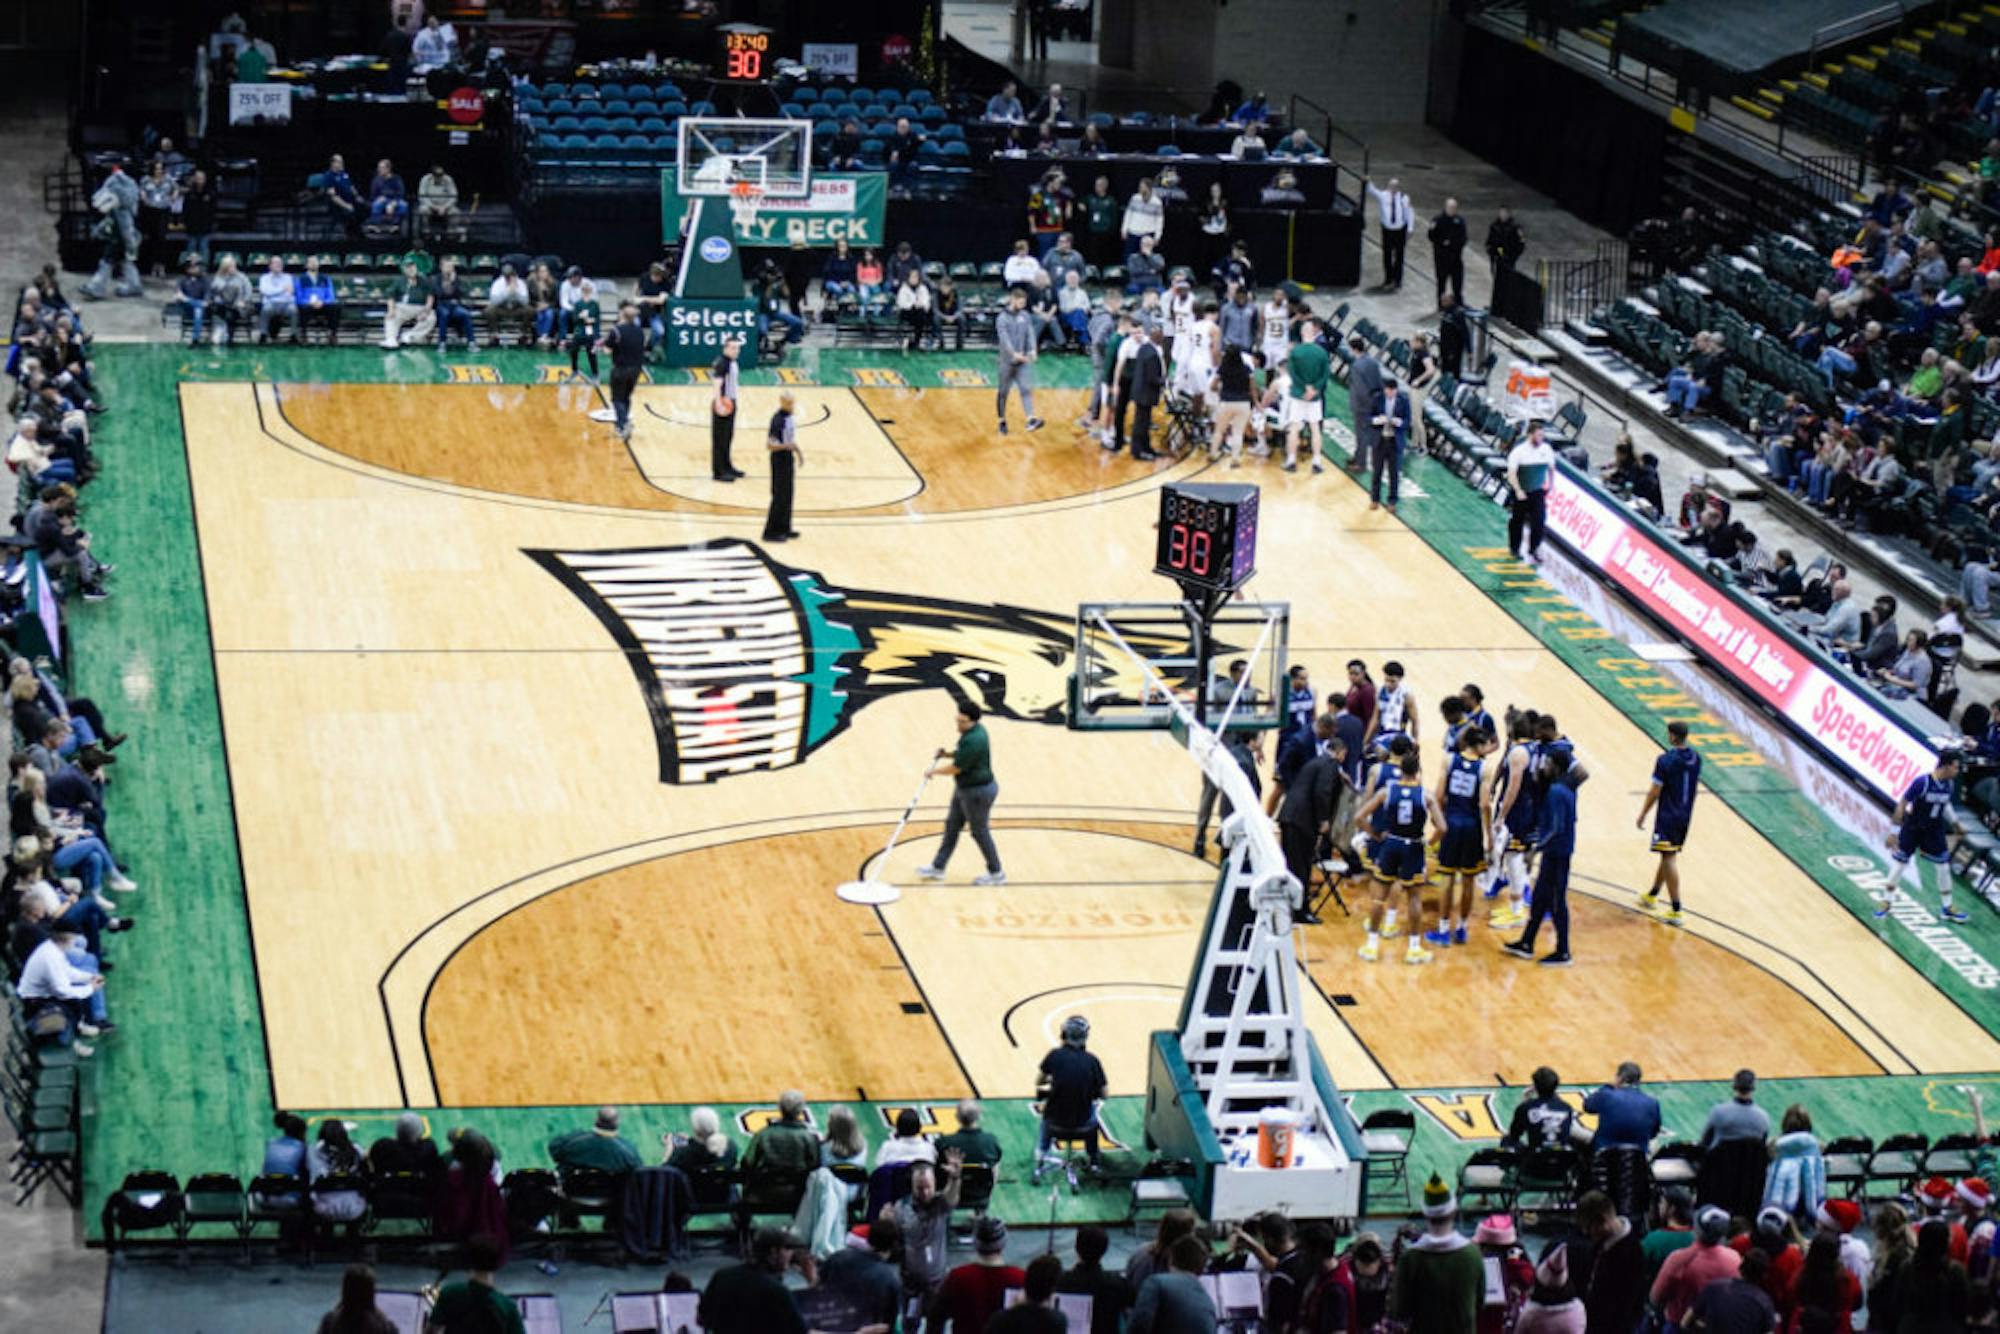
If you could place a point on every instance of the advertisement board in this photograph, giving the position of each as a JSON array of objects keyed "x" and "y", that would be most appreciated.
[
  {"x": 842, "y": 206},
  {"x": 1823, "y": 702}
]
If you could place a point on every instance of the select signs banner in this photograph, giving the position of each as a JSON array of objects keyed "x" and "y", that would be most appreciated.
[{"x": 843, "y": 205}]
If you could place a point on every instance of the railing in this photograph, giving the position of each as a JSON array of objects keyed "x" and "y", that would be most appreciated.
[
  {"x": 1579, "y": 288},
  {"x": 1328, "y": 130},
  {"x": 1831, "y": 177},
  {"x": 1854, "y": 26}
]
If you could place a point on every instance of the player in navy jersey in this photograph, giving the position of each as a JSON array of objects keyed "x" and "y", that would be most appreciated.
[
  {"x": 1461, "y": 794},
  {"x": 1924, "y": 819},
  {"x": 1371, "y": 823},
  {"x": 1399, "y": 855},
  {"x": 1475, "y": 710},
  {"x": 1513, "y": 819},
  {"x": 1395, "y": 711},
  {"x": 1676, "y": 779},
  {"x": 1556, "y": 841},
  {"x": 1453, "y": 709},
  {"x": 1299, "y": 706}
]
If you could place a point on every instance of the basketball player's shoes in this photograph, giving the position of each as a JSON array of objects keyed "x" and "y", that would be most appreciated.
[
  {"x": 1649, "y": 902},
  {"x": 1956, "y": 916},
  {"x": 1440, "y": 938},
  {"x": 1391, "y": 929},
  {"x": 1493, "y": 886},
  {"x": 1507, "y": 915},
  {"x": 929, "y": 872},
  {"x": 1673, "y": 917},
  {"x": 1883, "y": 902},
  {"x": 1417, "y": 954},
  {"x": 991, "y": 878},
  {"x": 1458, "y": 935},
  {"x": 1035, "y": 424},
  {"x": 1371, "y": 950}
]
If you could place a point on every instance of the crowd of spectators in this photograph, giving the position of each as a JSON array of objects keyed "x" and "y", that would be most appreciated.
[
  {"x": 61, "y": 869},
  {"x": 1753, "y": 1245}
]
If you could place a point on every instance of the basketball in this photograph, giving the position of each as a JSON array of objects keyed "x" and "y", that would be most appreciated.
[{"x": 725, "y": 407}]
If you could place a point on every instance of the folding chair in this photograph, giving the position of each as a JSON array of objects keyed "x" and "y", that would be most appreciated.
[
  {"x": 1488, "y": 1177},
  {"x": 1387, "y": 1134}
]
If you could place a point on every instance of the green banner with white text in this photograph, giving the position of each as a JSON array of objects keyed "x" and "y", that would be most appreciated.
[{"x": 842, "y": 205}]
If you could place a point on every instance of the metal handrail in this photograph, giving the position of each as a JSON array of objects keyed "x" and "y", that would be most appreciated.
[{"x": 1855, "y": 25}]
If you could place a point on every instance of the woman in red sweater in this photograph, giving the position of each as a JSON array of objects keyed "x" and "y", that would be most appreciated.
[
  {"x": 1824, "y": 1298},
  {"x": 1778, "y": 1238}
]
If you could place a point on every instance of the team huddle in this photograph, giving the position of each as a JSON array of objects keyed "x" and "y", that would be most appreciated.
[
  {"x": 1224, "y": 370},
  {"x": 1499, "y": 829},
  {"x": 1496, "y": 829}
]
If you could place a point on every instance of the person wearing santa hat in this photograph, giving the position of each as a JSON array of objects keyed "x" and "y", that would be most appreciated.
[
  {"x": 1940, "y": 1200},
  {"x": 1842, "y": 1217},
  {"x": 1552, "y": 1308}
]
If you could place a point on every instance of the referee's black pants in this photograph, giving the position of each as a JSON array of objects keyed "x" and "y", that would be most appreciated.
[
  {"x": 623, "y": 380},
  {"x": 721, "y": 431},
  {"x": 779, "y": 522}
]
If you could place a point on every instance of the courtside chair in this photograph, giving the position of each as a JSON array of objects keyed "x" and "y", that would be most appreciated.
[
  {"x": 1487, "y": 1176},
  {"x": 214, "y": 1199},
  {"x": 1676, "y": 1163},
  {"x": 1846, "y": 1159},
  {"x": 1896, "y": 1163},
  {"x": 975, "y": 1187},
  {"x": 767, "y": 1192},
  {"x": 1387, "y": 1135},
  {"x": 279, "y": 1200},
  {"x": 533, "y": 1197},
  {"x": 590, "y": 1192},
  {"x": 401, "y": 1197},
  {"x": 1548, "y": 1176},
  {"x": 46, "y": 1156},
  {"x": 145, "y": 1202},
  {"x": 1951, "y": 1156}
]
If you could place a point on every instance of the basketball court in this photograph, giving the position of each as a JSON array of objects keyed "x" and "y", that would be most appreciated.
[{"x": 491, "y": 860}]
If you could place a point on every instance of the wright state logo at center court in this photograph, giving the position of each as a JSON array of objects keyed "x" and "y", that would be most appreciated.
[{"x": 748, "y": 664}]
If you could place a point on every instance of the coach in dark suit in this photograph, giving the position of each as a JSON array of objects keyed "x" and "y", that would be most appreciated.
[
  {"x": 1149, "y": 378},
  {"x": 1364, "y": 396},
  {"x": 1392, "y": 432}
]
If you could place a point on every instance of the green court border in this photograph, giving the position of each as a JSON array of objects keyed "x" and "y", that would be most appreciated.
[{"x": 185, "y": 1085}]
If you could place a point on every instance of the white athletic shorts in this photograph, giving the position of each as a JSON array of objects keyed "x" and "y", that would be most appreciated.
[{"x": 1300, "y": 412}]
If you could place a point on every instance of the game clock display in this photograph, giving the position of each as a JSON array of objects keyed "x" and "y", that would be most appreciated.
[
  {"x": 742, "y": 53},
  {"x": 1208, "y": 535}
]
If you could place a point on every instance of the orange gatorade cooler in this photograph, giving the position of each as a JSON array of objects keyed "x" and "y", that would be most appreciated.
[{"x": 1275, "y": 1129}]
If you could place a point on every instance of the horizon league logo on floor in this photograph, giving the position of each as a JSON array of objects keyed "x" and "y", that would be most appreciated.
[{"x": 747, "y": 664}]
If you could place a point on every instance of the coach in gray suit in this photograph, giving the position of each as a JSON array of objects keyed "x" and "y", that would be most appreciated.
[
  {"x": 1364, "y": 400},
  {"x": 1014, "y": 330}
]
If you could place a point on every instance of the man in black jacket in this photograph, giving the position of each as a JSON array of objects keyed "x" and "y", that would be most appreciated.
[
  {"x": 1448, "y": 251},
  {"x": 1149, "y": 378},
  {"x": 1504, "y": 243},
  {"x": 1306, "y": 814}
]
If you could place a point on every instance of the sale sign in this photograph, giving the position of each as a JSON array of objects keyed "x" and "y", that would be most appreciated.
[{"x": 1819, "y": 699}]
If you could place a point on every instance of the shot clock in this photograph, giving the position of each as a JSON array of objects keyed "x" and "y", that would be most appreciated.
[
  {"x": 1208, "y": 535},
  {"x": 742, "y": 53}
]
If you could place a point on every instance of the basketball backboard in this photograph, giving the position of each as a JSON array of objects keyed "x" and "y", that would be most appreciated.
[
  {"x": 720, "y": 153},
  {"x": 1108, "y": 694}
]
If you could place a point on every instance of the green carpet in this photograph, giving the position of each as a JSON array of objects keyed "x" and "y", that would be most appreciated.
[{"x": 185, "y": 1085}]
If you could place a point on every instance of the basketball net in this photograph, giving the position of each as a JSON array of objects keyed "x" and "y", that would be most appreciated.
[{"x": 744, "y": 198}]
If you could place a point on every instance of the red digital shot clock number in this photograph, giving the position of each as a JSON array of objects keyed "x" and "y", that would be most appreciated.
[{"x": 1208, "y": 535}]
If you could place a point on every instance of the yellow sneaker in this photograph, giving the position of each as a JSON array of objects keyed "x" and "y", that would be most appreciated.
[
  {"x": 1371, "y": 951},
  {"x": 1417, "y": 954},
  {"x": 1506, "y": 917},
  {"x": 1672, "y": 917},
  {"x": 1649, "y": 903},
  {"x": 1391, "y": 929}
]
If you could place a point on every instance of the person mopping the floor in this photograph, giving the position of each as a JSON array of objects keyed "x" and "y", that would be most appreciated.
[{"x": 971, "y": 764}]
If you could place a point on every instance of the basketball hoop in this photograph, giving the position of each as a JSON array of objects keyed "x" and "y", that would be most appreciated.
[{"x": 744, "y": 199}]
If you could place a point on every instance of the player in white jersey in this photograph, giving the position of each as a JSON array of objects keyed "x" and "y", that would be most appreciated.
[
  {"x": 1181, "y": 314},
  {"x": 1276, "y": 315},
  {"x": 1201, "y": 354},
  {"x": 1395, "y": 711}
]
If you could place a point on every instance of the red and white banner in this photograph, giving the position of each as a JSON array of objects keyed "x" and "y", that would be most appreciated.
[{"x": 1825, "y": 703}]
